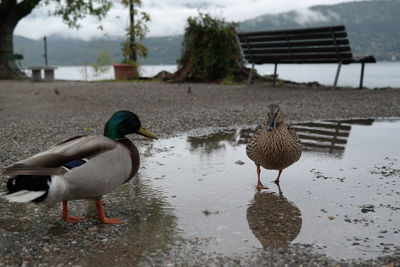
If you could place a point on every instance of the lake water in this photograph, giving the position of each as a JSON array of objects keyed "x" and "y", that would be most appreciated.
[{"x": 381, "y": 74}]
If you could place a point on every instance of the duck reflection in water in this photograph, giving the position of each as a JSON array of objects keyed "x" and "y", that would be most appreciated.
[{"x": 273, "y": 219}]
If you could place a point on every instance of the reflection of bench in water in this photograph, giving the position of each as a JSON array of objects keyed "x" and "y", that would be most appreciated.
[
  {"x": 324, "y": 136},
  {"x": 327, "y": 136}
]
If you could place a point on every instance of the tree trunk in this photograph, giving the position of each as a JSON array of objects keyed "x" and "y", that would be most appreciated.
[
  {"x": 10, "y": 13},
  {"x": 8, "y": 67}
]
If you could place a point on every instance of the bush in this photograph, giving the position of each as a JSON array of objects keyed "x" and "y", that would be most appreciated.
[{"x": 210, "y": 51}]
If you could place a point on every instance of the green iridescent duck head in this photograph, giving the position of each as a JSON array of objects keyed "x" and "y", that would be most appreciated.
[{"x": 124, "y": 122}]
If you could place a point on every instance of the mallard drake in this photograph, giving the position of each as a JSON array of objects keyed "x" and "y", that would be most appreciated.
[
  {"x": 274, "y": 145},
  {"x": 82, "y": 167}
]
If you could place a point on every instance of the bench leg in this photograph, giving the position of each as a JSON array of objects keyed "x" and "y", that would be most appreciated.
[
  {"x": 250, "y": 74},
  {"x": 36, "y": 75},
  {"x": 49, "y": 75},
  {"x": 275, "y": 69},
  {"x": 362, "y": 75},
  {"x": 337, "y": 75}
]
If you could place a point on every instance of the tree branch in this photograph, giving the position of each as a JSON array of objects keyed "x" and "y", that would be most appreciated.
[
  {"x": 26, "y": 6},
  {"x": 6, "y": 5}
]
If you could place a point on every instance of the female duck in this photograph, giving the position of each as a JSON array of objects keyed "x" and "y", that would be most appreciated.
[
  {"x": 82, "y": 167},
  {"x": 274, "y": 145}
]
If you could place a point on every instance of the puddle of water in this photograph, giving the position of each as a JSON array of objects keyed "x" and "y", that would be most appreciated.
[{"x": 342, "y": 195}]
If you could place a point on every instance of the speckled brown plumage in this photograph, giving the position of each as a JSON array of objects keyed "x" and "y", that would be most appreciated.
[{"x": 274, "y": 145}]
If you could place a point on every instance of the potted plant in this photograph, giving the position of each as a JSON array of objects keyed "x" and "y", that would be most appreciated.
[{"x": 131, "y": 48}]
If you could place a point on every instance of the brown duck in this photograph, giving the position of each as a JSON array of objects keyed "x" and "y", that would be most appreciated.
[{"x": 274, "y": 145}]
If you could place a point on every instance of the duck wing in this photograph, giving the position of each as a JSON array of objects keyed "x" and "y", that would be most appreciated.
[{"x": 51, "y": 161}]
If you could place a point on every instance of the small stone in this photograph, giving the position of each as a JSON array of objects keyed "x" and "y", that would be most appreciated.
[
  {"x": 281, "y": 250},
  {"x": 331, "y": 217},
  {"x": 239, "y": 162}
]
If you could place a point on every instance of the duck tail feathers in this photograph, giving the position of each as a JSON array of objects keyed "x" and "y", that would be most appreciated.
[
  {"x": 24, "y": 196},
  {"x": 25, "y": 188}
]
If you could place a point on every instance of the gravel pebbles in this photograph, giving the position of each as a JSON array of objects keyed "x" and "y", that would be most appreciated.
[{"x": 34, "y": 116}]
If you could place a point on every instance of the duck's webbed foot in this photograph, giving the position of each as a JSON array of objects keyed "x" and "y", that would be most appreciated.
[
  {"x": 260, "y": 186},
  {"x": 103, "y": 218},
  {"x": 70, "y": 219},
  {"x": 74, "y": 219}
]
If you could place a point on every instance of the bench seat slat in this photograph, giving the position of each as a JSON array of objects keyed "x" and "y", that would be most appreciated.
[
  {"x": 304, "y": 61},
  {"x": 366, "y": 59}
]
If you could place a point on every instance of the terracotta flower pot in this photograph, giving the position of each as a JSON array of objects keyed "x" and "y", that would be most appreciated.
[{"x": 125, "y": 71}]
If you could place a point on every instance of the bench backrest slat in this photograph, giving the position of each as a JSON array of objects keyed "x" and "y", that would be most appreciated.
[
  {"x": 291, "y": 37},
  {"x": 295, "y": 31},
  {"x": 296, "y": 44},
  {"x": 300, "y": 50},
  {"x": 297, "y": 58}
]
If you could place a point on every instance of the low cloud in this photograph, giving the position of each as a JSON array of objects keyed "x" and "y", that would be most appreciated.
[
  {"x": 307, "y": 16},
  {"x": 167, "y": 17}
]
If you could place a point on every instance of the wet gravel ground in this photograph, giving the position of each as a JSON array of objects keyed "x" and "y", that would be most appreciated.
[{"x": 34, "y": 116}]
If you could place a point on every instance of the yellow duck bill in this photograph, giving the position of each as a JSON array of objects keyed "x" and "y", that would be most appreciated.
[{"x": 144, "y": 132}]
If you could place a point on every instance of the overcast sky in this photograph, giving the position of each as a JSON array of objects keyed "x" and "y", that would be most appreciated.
[{"x": 168, "y": 17}]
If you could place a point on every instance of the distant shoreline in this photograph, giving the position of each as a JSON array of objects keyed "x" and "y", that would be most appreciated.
[{"x": 377, "y": 75}]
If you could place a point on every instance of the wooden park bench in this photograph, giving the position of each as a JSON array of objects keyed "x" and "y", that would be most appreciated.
[{"x": 312, "y": 45}]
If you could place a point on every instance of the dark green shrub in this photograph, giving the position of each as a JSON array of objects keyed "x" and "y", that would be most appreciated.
[{"x": 210, "y": 51}]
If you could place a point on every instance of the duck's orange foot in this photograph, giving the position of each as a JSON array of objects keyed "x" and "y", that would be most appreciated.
[
  {"x": 74, "y": 219},
  {"x": 103, "y": 218},
  {"x": 112, "y": 220},
  {"x": 261, "y": 187}
]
